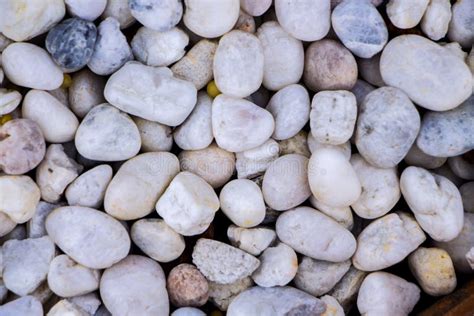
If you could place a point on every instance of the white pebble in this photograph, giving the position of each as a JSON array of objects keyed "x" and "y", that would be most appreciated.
[
  {"x": 406, "y": 14},
  {"x": 119, "y": 10},
  {"x": 277, "y": 268},
  {"x": 461, "y": 24},
  {"x": 9, "y": 100},
  {"x": 342, "y": 215},
  {"x": 436, "y": 19},
  {"x": 19, "y": 196},
  {"x": 252, "y": 240},
  {"x": 158, "y": 15},
  {"x": 65, "y": 307},
  {"x": 255, "y": 8},
  {"x": 85, "y": 92},
  {"x": 155, "y": 136},
  {"x": 23, "y": 306},
  {"x": 253, "y": 162},
  {"x": 87, "y": 10},
  {"x": 221, "y": 295},
  {"x": 314, "y": 145}
]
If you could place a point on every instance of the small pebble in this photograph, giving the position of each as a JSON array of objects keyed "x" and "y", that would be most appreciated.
[
  {"x": 188, "y": 311},
  {"x": 436, "y": 19},
  {"x": 187, "y": 286},
  {"x": 64, "y": 307},
  {"x": 333, "y": 308},
  {"x": 342, "y": 215},
  {"x": 461, "y": 24},
  {"x": 19, "y": 196},
  {"x": 369, "y": 70},
  {"x": 157, "y": 14},
  {"x": 222, "y": 294},
  {"x": 85, "y": 92},
  {"x": 9, "y": 100},
  {"x": 119, "y": 10},
  {"x": 87, "y": 10},
  {"x": 278, "y": 266},
  {"x": 222, "y": 263},
  {"x": 329, "y": 66},
  {"x": 346, "y": 290},
  {"x": 35, "y": 226},
  {"x": 23, "y": 306},
  {"x": 157, "y": 240},
  {"x": 252, "y": 240},
  {"x": 245, "y": 23},
  {"x": 406, "y": 14},
  {"x": 255, "y": 8},
  {"x": 467, "y": 194},
  {"x": 297, "y": 144},
  {"x": 416, "y": 157},
  {"x": 253, "y": 162},
  {"x": 155, "y": 136},
  {"x": 462, "y": 167}
]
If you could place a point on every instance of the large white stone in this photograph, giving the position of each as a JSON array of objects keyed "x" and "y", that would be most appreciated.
[
  {"x": 461, "y": 24},
  {"x": 90, "y": 237},
  {"x": 406, "y": 14},
  {"x": 428, "y": 73},
  {"x": 151, "y": 93},
  {"x": 158, "y": 15},
  {"x": 436, "y": 19},
  {"x": 89, "y": 188},
  {"x": 19, "y": 196}
]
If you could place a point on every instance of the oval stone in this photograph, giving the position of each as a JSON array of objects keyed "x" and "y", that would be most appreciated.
[{"x": 19, "y": 196}]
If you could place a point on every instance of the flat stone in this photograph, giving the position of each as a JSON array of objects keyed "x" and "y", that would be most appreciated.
[
  {"x": 435, "y": 21},
  {"x": 155, "y": 136},
  {"x": 406, "y": 14},
  {"x": 252, "y": 240},
  {"x": 253, "y": 162},
  {"x": 19, "y": 196},
  {"x": 23, "y": 306},
  {"x": 9, "y": 99},
  {"x": 461, "y": 24},
  {"x": 35, "y": 226},
  {"x": 222, "y": 294},
  {"x": 88, "y": 10},
  {"x": 156, "y": 14},
  {"x": 187, "y": 286},
  {"x": 85, "y": 92}
]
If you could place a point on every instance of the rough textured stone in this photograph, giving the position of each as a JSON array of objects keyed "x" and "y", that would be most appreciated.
[
  {"x": 297, "y": 144},
  {"x": 253, "y": 162},
  {"x": 222, "y": 294},
  {"x": 157, "y": 14},
  {"x": 187, "y": 286}
]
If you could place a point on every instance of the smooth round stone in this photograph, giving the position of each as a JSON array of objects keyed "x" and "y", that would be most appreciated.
[
  {"x": 332, "y": 179},
  {"x": 242, "y": 202},
  {"x": 360, "y": 90},
  {"x": 135, "y": 286},
  {"x": 25, "y": 263},
  {"x": 23, "y": 20},
  {"x": 6, "y": 224},
  {"x": 213, "y": 164},
  {"x": 58, "y": 124},
  {"x": 380, "y": 188},
  {"x": 71, "y": 43},
  {"x": 283, "y": 56},
  {"x": 208, "y": 18},
  {"x": 329, "y": 66},
  {"x": 296, "y": 228},
  {"x": 383, "y": 293},
  {"x": 446, "y": 80},
  {"x": 89, "y": 188},
  {"x": 119, "y": 10},
  {"x": 157, "y": 15},
  {"x": 253, "y": 162},
  {"x": 85, "y": 92},
  {"x": 187, "y": 286},
  {"x": 285, "y": 184},
  {"x": 67, "y": 278},
  {"x": 462, "y": 167},
  {"x": 278, "y": 266},
  {"x": 251, "y": 240},
  {"x": 196, "y": 132},
  {"x": 155, "y": 48},
  {"x": 19, "y": 196},
  {"x": 222, "y": 294},
  {"x": 138, "y": 184},
  {"x": 456, "y": 126},
  {"x": 360, "y": 27},
  {"x": 276, "y": 301},
  {"x": 107, "y": 134},
  {"x": 222, "y": 263},
  {"x": 239, "y": 64},
  {"x": 290, "y": 108},
  {"x": 9, "y": 100},
  {"x": 297, "y": 144},
  {"x": 111, "y": 49},
  {"x": 188, "y": 311},
  {"x": 239, "y": 125},
  {"x": 88, "y": 302},
  {"x": 22, "y": 62},
  {"x": 255, "y": 8},
  {"x": 245, "y": 23},
  {"x": 406, "y": 14},
  {"x": 314, "y": 145},
  {"x": 369, "y": 70},
  {"x": 88, "y": 10},
  {"x": 197, "y": 65},
  {"x": 188, "y": 205},
  {"x": 318, "y": 277},
  {"x": 151, "y": 93},
  {"x": 387, "y": 127},
  {"x": 387, "y": 241},
  {"x": 22, "y": 146},
  {"x": 305, "y": 20},
  {"x": 65, "y": 307},
  {"x": 435, "y": 21},
  {"x": 157, "y": 240},
  {"x": 461, "y": 24},
  {"x": 416, "y": 157},
  {"x": 74, "y": 229},
  {"x": 342, "y": 215},
  {"x": 25, "y": 305},
  {"x": 55, "y": 173},
  {"x": 333, "y": 308},
  {"x": 435, "y": 201},
  {"x": 333, "y": 116},
  {"x": 434, "y": 270},
  {"x": 155, "y": 136},
  {"x": 467, "y": 194}
]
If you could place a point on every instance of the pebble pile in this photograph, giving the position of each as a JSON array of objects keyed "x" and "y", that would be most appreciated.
[{"x": 238, "y": 157}]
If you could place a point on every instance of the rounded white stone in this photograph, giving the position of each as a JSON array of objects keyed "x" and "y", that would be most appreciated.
[
  {"x": 239, "y": 125},
  {"x": 314, "y": 145},
  {"x": 283, "y": 55},
  {"x": 297, "y": 227},
  {"x": 87, "y": 10},
  {"x": 188, "y": 205},
  {"x": 89, "y": 188},
  {"x": 155, "y": 48},
  {"x": 435, "y": 201},
  {"x": 188, "y": 311},
  {"x": 196, "y": 132},
  {"x": 85, "y": 92},
  {"x": 387, "y": 241},
  {"x": 151, "y": 93},
  {"x": 290, "y": 108},
  {"x": 242, "y": 202},
  {"x": 67, "y": 278},
  {"x": 90, "y": 237},
  {"x": 278, "y": 266},
  {"x": 157, "y": 240},
  {"x": 428, "y": 73},
  {"x": 159, "y": 15},
  {"x": 6, "y": 225},
  {"x": 155, "y": 136},
  {"x": 135, "y": 286},
  {"x": 251, "y": 240},
  {"x": 436, "y": 19},
  {"x": 332, "y": 179},
  {"x": 406, "y": 14},
  {"x": 253, "y": 162},
  {"x": 209, "y": 18},
  {"x": 19, "y": 196},
  {"x": 416, "y": 157},
  {"x": 9, "y": 100},
  {"x": 107, "y": 134},
  {"x": 307, "y": 20},
  {"x": 285, "y": 183},
  {"x": 461, "y": 24},
  {"x": 342, "y": 215},
  {"x": 239, "y": 64},
  {"x": 22, "y": 62},
  {"x": 119, "y": 10},
  {"x": 56, "y": 121}
]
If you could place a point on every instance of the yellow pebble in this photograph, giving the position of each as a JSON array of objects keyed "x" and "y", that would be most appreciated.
[
  {"x": 212, "y": 90},
  {"x": 5, "y": 118},
  {"x": 67, "y": 81}
]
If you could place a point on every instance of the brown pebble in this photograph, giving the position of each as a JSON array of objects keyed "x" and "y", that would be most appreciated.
[
  {"x": 329, "y": 66},
  {"x": 187, "y": 286},
  {"x": 22, "y": 146}
]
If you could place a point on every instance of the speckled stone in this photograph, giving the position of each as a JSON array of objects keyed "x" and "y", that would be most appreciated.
[
  {"x": 297, "y": 144},
  {"x": 159, "y": 15},
  {"x": 406, "y": 14},
  {"x": 187, "y": 286}
]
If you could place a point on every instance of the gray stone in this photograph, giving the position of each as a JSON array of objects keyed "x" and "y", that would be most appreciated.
[
  {"x": 35, "y": 226},
  {"x": 345, "y": 291},
  {"x": 85, "y": 92},
  {"x": 222, "y": 294}
]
